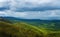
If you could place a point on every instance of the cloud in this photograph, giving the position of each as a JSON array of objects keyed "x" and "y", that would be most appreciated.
[
  {"x": 3, "y": 14},
  {"x": 34, "y": 5},
  {"x": 3, "y": 0},
  {"x": 4, "y": 5},
  {"x": 29, "y": 5},
  {"x": 44, "y": 15},
  {"x": 30, "y": 9},
  {"x": 12, "y": 14}
]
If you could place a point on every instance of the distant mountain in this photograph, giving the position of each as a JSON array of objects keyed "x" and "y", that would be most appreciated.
[
  {"x": 14, "y": 18},
  {"x": 31, "y": 20}
]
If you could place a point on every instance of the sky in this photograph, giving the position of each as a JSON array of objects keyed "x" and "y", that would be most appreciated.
[{"x": 31, "y": 9}]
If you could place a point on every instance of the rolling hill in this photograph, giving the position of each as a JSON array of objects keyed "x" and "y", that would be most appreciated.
[
  {"x": 48, "y": 24},
  {"x": 28, "y": 28}
]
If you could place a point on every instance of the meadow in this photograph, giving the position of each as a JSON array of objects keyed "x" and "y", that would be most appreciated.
[{"x": 24, "y": 29}]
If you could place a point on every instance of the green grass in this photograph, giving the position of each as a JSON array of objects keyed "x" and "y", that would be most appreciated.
[
  {"x": 18, "y": 30},
  {"x": 21, "y": 29}
]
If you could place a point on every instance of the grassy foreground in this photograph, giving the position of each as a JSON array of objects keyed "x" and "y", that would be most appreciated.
[
  {"x": 18, "y": 30},
  {"x": 24, "y": 30}
]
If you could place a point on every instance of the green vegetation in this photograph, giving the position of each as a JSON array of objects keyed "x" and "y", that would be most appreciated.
[
  {"x": 21, "y": 29},
  {"x": 18, "y": 30}
]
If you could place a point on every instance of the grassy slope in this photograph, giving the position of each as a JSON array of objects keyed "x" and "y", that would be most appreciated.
[
  {"x": 18, "y": 30},
  {"x": 21, "y": 29}
]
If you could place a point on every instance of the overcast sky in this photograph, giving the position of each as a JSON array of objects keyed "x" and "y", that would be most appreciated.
[{"x": 30, "y": 9}]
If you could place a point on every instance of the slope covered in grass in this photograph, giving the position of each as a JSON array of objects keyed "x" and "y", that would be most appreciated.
[
  {"x": 18, "y": 30},
  {"x": 22, "y": 29}
]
